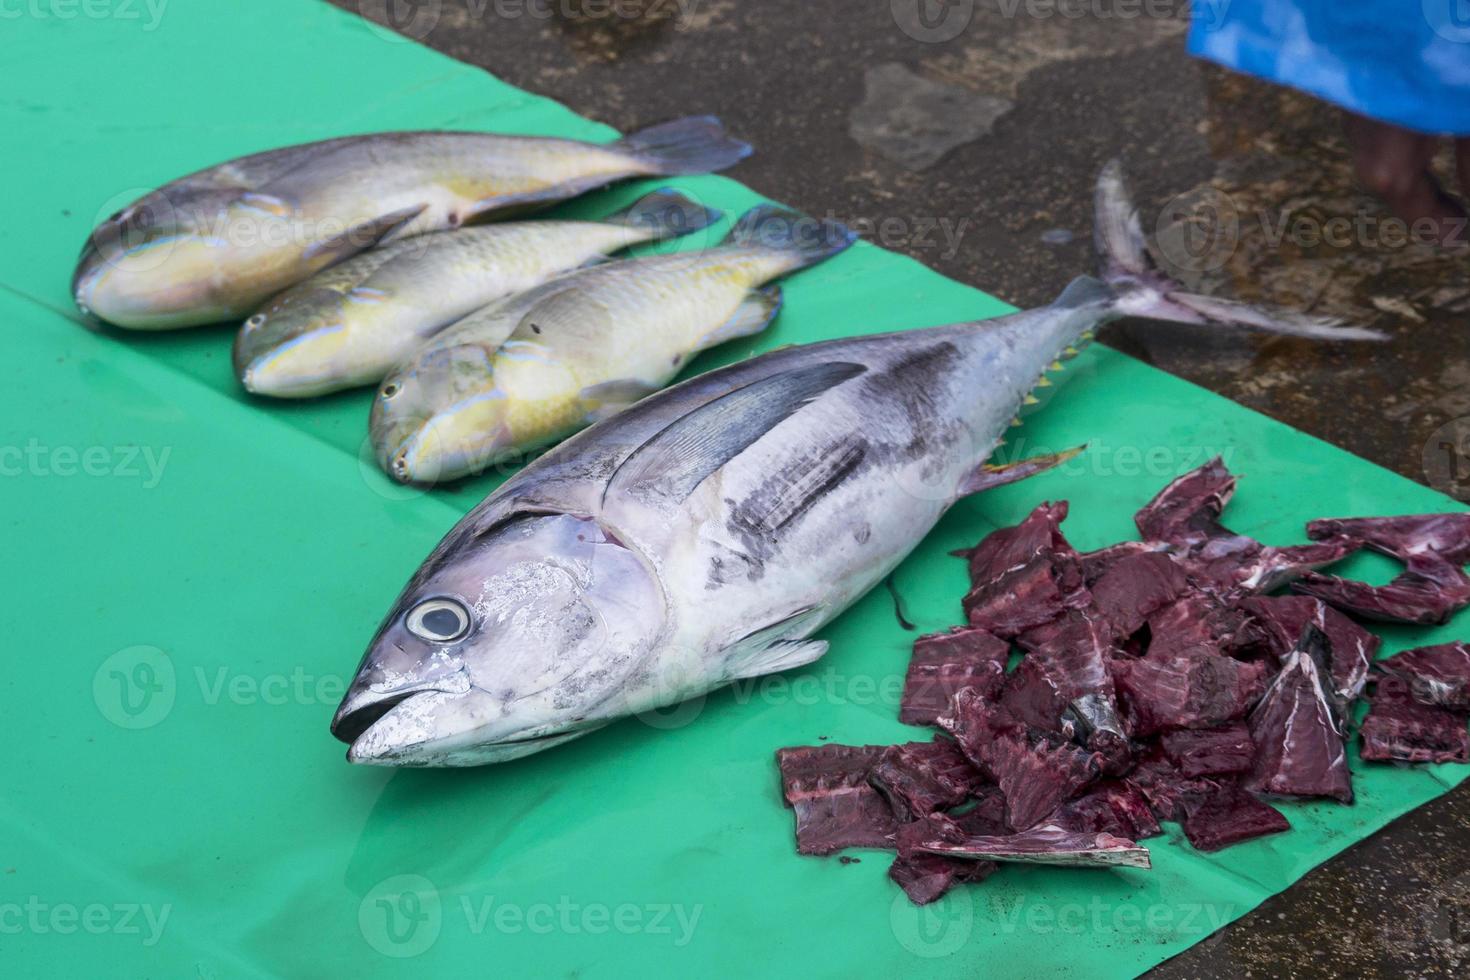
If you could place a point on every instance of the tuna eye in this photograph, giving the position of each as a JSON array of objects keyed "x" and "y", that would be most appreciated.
[
  {"x": 390, "y": 389},
  {"x": 438, "y": 621},
  {"x": 255, "y": 321}
]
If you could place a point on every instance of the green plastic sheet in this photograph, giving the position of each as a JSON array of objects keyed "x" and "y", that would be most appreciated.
[{"x": 191, "y": 576}]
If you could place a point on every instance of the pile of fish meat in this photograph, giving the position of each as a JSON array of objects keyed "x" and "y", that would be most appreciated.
[
  {"x": 1159, "y": 681},
  {"x": 363, "y": 261}
]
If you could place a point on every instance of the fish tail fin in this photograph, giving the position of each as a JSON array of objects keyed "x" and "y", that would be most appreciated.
[
  {"x": 806, "y": 240},
  {"x": 692, "y": 145},
  {"x": 1141, "y": 289},
  {"x": 665, "y": 213}
]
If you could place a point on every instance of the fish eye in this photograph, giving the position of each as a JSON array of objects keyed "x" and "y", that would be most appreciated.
[
  {"x": 438, "y": 620},
  {"x": 255, "y": 321},
  {"x": 390, "y": 389}
]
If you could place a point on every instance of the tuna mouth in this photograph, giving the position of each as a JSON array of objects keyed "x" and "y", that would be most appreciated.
[{"x": 349, "y": 726}]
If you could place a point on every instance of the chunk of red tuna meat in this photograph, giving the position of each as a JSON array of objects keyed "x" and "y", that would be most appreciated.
[
  {"x": 926, "y": 877},
  {"x": 1221, "y": 751},
  {"x": 1235, "y": 565},
  {"x": 1135, "y": 587},
  {"x": 942, "y": 664},
  {"x": 836, "y": 807},
  {"x": 1281, "y": 619},
  {"x": 1165, "y": 787},
  {"x": 1434, "y": 549},
  {"x": 1040, "y": 534},
  {"x": 1228, "y": 815},
  {"x": 1197, "y": 690},
  {"x": 1111, "y": 807},
  {"x": 1034, "y": 695},
  {"x": 975, "y": 722},
  {"x": 1045, "y": 845},
  {"x": 1438, "y": 675},
  {"x": 1095, "y": 564},
  {"x": 1025, "y": 596},
  {"x": 1035, "y": 773},
  {"x": 1189, "y": 508},
  {"x": 1428, "y": 593},
  {"x": 1197, "y": 621},
  {"x": 1444, "y": 535},
  {"x": 920, "y": 777},
  {"x": 1399, "y": 728},
  {"x": 1299, "y": 746}
]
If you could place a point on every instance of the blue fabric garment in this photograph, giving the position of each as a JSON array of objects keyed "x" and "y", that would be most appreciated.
[{"x": 1400, "y": 61}]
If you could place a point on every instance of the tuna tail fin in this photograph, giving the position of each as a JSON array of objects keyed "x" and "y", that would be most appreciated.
[
  {"x": 665, "y": 213},
  {"x": 1142, "y": 289},
  {"x": 808, "y": 240},
  {"x": 692, "y": 145}
]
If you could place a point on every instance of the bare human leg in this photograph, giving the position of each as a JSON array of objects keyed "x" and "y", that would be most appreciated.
[{"x": 1393, "y": 163}]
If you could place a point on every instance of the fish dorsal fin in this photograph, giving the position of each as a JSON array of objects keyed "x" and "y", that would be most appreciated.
[
  {"x": 679, "y": 457},
  {"x": 754, "y": 314}
]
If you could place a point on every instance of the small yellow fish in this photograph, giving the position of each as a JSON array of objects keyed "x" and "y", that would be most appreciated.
[
  {"x": 351, "y": 324},
  {"x": 533, "y": 368}
]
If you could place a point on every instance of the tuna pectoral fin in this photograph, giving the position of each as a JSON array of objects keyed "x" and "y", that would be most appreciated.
[
  {"x": 987, "y": 476},
  {"x": 767, "y": 650},
  {"x": 679, "y": 457},
  {"x": 360, "y": 238},
  {"x": 754, "y": 314}
]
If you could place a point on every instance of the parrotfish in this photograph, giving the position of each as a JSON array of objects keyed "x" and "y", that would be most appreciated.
[
  {"x": 535, "y": 367},
  {"x": 349, "y": 325},
  {"x": 216, "y": 244}
]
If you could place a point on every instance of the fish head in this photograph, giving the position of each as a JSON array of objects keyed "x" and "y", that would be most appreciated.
[
  {"x": 291, "y": 348},
  {"x": 156, "y": 265},
  {"x": 440, "y": 415},
  {"x": 505, "y": 643}
]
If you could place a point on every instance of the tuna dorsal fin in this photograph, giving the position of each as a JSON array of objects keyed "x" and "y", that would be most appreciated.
[
  {"x": 679, "y": 457},
  {"x": 987, "y": 476},
  {"x": 754, "y": 314}
]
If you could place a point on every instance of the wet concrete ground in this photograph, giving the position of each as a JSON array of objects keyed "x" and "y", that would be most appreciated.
[{"x": 967, "y": 135}]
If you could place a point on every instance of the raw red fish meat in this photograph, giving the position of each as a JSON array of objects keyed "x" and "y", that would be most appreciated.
[
  {"x": 942, "y": 664},
  {"x": 1299, "y": 744},
  {"x": 1438, "y": 675}
]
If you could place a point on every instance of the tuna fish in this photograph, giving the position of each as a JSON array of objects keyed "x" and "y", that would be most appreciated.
[
  {"x": 709, "y": 531},
  {"x": 216, "y": 244}
]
